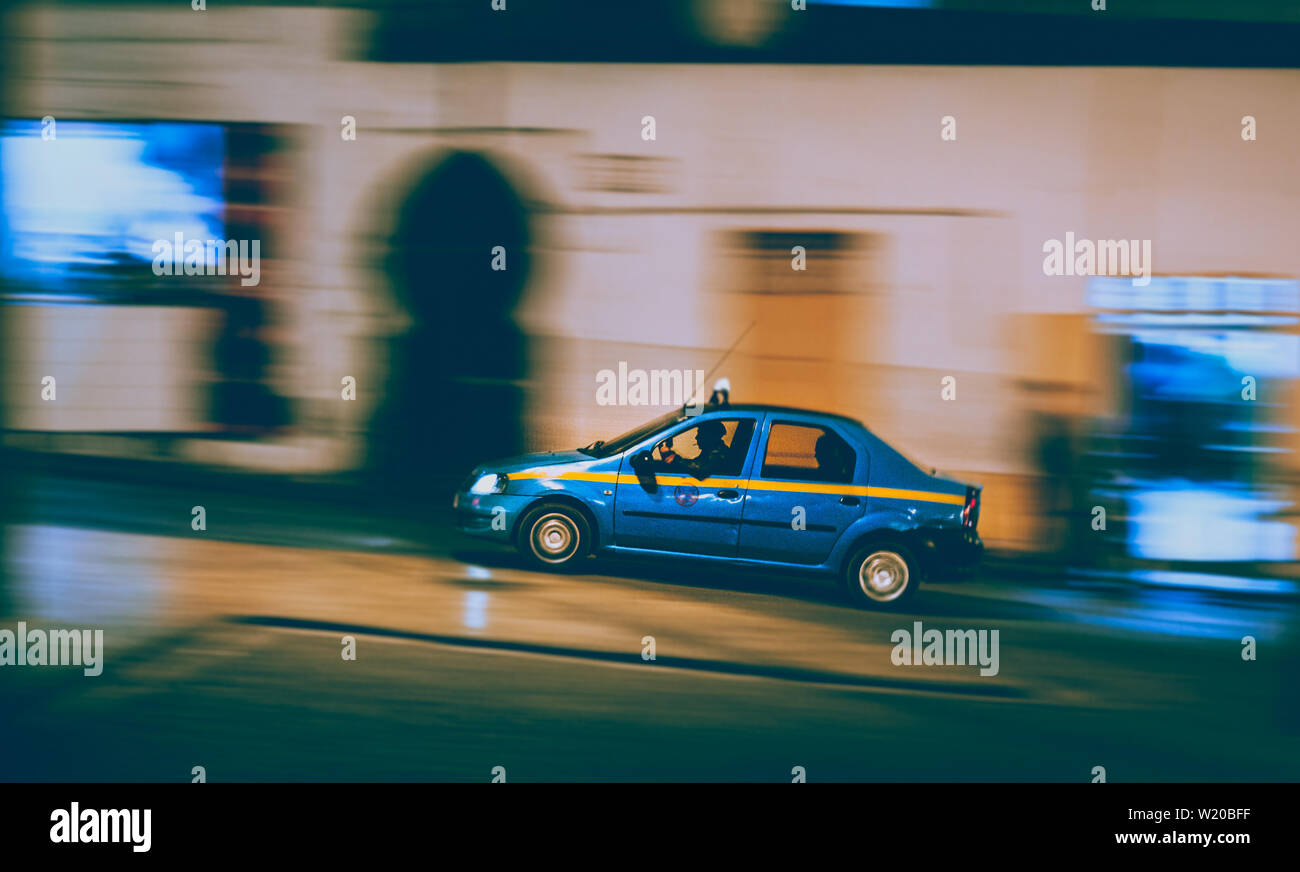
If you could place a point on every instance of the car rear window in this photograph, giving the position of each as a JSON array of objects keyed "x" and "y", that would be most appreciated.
[{"x": 805, "y": 452}]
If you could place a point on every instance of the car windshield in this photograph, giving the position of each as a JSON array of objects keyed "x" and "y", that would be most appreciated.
[{"x": 619, "y": 444}]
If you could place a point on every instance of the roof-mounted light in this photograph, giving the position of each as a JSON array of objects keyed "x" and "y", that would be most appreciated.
[{"x": 721, "y": 395}]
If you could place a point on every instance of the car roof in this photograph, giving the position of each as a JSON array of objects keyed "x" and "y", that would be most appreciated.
[{"x": 763, "y": 407}]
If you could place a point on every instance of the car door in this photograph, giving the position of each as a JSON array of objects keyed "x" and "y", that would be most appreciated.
[
  {"x": 669, "y": 510},
  {"x": 808, "y": 486}
]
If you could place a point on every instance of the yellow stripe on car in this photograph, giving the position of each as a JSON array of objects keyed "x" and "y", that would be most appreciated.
[
  {"x": 893, "y": 493},
  {"x": 563, "y": 476},
  {"x": 884, "y": 493}
]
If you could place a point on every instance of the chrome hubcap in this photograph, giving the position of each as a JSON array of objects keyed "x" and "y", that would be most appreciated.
[
  {"x": 883, "y": 576},
  {"x": 554, "y": 538}
]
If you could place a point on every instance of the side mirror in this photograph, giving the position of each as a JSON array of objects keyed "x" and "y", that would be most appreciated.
[{"x": 643, "y": 464}]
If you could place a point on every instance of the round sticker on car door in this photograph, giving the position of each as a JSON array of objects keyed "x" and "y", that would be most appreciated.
[{"x": 686, "y": 494}]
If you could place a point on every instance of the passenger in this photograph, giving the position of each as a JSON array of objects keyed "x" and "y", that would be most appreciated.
[{"x": 832, "y": 461}]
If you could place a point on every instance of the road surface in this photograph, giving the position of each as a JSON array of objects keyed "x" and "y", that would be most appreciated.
[{"x": 224, "y": 649}]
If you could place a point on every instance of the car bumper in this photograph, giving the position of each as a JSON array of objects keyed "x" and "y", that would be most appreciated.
[
  {"x": 491, "y": 516},
  {"x": 955, "y": 551}
]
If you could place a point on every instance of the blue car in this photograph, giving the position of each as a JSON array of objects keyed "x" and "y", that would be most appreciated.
[{"x": 751, "y": 485}]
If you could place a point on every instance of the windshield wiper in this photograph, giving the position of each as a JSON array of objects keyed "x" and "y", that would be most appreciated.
[{"x": 593, "y": 447}]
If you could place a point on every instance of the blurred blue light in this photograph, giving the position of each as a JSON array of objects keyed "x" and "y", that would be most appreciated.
[
  {"x": 93, "y": 200},
  {"x": 475, "y": 613}
]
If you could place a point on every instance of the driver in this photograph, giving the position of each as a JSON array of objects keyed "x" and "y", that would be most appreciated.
[
  {"x": 666, "y": 453},
  {"x": 713, "y": 451}
]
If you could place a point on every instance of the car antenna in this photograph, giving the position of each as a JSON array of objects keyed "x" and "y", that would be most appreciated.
[{"x": 722, "y": 390}]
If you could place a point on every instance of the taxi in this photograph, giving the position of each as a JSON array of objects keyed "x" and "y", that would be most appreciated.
[{"x": 745, "y": 484}]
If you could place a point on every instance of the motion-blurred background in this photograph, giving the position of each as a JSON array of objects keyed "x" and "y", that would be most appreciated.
[{"x": 773, "y": 128}]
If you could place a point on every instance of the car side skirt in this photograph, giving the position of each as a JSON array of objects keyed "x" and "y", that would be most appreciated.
[{"x": 807, "y": 568}]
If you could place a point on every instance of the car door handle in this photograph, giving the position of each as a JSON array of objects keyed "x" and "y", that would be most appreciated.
[
  {"x": 850, "y": 501},
  {"x": 728, "y": 494}
]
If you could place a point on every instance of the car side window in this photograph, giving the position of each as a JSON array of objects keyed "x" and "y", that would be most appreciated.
[
  {"x": 725, "y": 456},
  {"x": 808, "y": 453}
]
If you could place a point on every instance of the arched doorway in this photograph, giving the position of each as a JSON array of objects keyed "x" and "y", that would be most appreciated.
[{"x": 453, "y": 398}]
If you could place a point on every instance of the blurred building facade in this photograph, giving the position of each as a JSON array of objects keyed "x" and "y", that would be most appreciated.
[{"x": 924, "y": 254}]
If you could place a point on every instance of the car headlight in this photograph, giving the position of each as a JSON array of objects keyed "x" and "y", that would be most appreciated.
[{"x": 489, "y": 483}]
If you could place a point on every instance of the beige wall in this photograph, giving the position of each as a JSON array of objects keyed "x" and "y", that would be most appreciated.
[{"x": 1106, "y": 153}]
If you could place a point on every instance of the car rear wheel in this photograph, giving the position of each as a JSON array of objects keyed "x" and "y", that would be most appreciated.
[
  {"x": 882, "y": 576},
  {"x": 554, "y": 537}
]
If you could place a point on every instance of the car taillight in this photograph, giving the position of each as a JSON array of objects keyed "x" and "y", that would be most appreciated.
[{"x": 970, "y": 514}]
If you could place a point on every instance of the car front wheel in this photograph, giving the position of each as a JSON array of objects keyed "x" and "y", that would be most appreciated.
[
  {"x": 882, "y": 576},
  {"x": 554, "y": 537}
]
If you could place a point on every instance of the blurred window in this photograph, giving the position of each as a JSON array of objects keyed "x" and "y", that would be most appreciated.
[
  {"x": 762, "y": 261},
  {"x": 625, "y": 173}
]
